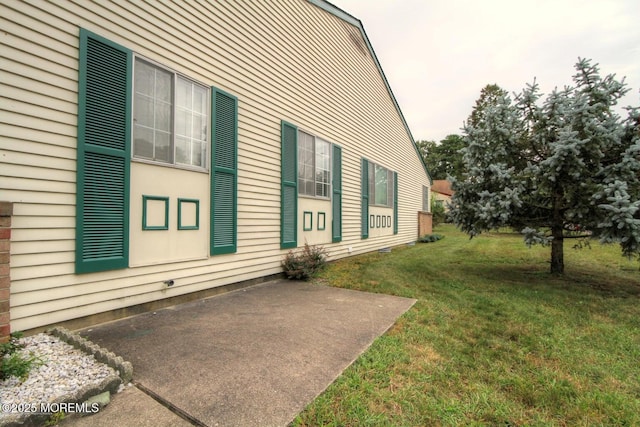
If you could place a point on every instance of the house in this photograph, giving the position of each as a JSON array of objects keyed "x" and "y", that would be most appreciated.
[
  {"x": 442, "y": 192},
  {"x": 157, "y": 152}
]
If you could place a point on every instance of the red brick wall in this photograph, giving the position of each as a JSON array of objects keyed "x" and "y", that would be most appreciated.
[
  {"x": 6, "y": 210},
  {"x": 425, "y": 223}
]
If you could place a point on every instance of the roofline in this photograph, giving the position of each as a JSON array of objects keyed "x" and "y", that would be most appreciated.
[{"x": 336, "y": 11}]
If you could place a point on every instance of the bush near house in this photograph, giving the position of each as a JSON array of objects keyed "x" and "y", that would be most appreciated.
[
  {"x": 306, "y": 263},
  {"x": 428, "y": 238}
]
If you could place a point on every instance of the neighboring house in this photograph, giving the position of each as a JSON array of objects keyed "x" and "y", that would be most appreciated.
[
  {"x": 442, "y": 193},
  {"x": 152, "y": 151}
]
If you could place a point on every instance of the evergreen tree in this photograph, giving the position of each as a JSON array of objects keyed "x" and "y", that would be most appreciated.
[
  {"x": 426, "y": 147},
  {"x": 566, "y": 168},
  {"x": 489, "y": 95},
  {"x": 443, "y": 159}
]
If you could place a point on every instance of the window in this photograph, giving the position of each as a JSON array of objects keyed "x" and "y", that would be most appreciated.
[
  {"x": 301, "y": 151},
  {"x": 314, "y": 166},
  {"x": 170, "y": 116},
  {"x": 425, "y": 198},
  {"x": 380, "y": 186}
]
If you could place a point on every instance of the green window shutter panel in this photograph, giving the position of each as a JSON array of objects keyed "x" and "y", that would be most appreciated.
[
  {"x": 336, "y": 202},
  {"x": 224, "y": 173},
  {"x": 103, "y": 167},
  {"x": 289, "y": 186},
  {"x": 395, "y": 203},
  {"x": 364, "y": 192}
]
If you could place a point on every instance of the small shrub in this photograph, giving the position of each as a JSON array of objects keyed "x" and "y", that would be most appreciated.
[
  {"x": 12, "y": 345},
  {"x": 14, "y": 364},
  {"x": 304, "y": 264},
  {"x": 55, "y": 419},
  {"x": 438, "y": 214},
  {"x": 428, "y": 238}
]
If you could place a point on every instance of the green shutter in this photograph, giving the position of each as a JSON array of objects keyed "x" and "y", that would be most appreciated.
[
  {"x": 364, "y": 192},
  {"x": 103, "y": 165},
  {"x": 336, "y": 202},
  {"x": 224, "y": 172},
  {"x": 289, "y": 186},
  {"x": 395, "y": 203}
]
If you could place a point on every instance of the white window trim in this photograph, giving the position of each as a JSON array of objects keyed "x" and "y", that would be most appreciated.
[
  {"x": 330, "y": 144},
  {"x": 173, "y": 163},
  {"x": 372, "y": 190}
]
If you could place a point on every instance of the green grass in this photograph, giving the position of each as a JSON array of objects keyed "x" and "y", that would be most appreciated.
[{"x": 494, "y": 339}]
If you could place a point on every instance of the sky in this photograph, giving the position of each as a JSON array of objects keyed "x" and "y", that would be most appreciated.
[{"x": 438, "y": 54}]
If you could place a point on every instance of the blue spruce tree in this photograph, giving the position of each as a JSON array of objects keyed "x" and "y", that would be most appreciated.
[{"x": 566, "y": 167}]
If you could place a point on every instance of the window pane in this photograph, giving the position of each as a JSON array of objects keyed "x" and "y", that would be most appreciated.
[
  {"x": 372, "y": 184},
  {"x": 192, "y": 116},
  {"x": 322, "y": 183},
  {"x": 143, "y": 111},
  {"x": 425, "y": 198},
  {"x": 381, "y": 185},
  {"x": 144, "y": 78},
  {"x": 183, "y": 94},
  {"x": 198, "y": 126},
  {"x": 163, "y": 85},
  {"x": 182, "y": 150},
  {"x": 198, "y": 150},
  {"x": 163, "y": 116},
  {"x": 163, "y": 147},
  {"x": 164, "y": 102},
  {"x": 322, "y": 174},
  {"x": 152, "y": 112},
  {"x": 143, "y": 142},
  {"x": 389, "y": 188},
  {"x": 305, "y": 187},
  {"x": 305, "y": 164},
  {"x": 183, "y": 123},
  {"x": 200, "y": 99},
  {"x": 308, "y": 188},
  {"x": 205, "y": 154},
  {"x": 322, "y": 190}
]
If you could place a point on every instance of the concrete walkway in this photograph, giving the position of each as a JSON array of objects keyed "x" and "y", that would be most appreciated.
[{"x": 252, "y": 357}]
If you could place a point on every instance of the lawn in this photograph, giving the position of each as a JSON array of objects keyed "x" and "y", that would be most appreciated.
[{"x": 494, "y": 339}]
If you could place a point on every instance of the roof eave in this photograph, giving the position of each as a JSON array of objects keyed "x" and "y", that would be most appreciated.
[{"x": 334, "y": 10}]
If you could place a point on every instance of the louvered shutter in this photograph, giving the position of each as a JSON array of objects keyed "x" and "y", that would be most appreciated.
[
  {"x": 395, "y": 203},
  {"x": 336, "y": 202},
  {"x": 289, "y": 186},
  {"x": 103, "y": 162},
  {"x": 364, "y": 193},
  {"x": 224, "y": 172}
]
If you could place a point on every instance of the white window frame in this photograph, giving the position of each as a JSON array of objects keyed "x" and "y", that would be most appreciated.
[
  {"x": 318, "y": 171},
  {"x": 375, "y": 198},
  {"x": 173, "y": 125}
]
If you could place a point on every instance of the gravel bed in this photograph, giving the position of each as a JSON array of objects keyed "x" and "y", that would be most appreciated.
[{"x": 65, "y": 371}]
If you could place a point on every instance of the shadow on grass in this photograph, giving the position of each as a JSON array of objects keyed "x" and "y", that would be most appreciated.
[{"x": 597, "y": 282}]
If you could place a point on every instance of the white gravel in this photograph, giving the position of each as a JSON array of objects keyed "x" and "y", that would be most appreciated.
[{"x": 64, "y": 371}]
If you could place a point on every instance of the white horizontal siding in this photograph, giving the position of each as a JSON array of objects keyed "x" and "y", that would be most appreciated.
[{"x": 284, "y": 60}]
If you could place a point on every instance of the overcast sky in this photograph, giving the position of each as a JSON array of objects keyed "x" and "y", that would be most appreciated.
[{"x": 438, "y": 54}]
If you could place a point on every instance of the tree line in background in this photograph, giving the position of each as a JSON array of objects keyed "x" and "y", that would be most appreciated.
[
  {"x": 445, "y": 158},
  {"x": 565, "y": 167}
]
